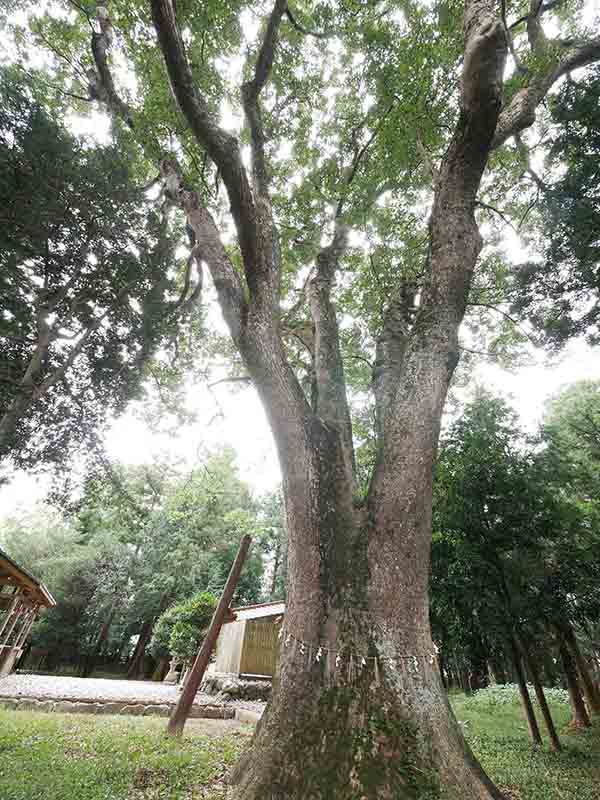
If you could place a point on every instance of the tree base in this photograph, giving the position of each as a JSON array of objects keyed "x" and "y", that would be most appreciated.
[{"x": 360, "y": 742}]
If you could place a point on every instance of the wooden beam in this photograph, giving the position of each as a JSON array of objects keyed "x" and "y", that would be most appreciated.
[{"x": 181, "y": 711}]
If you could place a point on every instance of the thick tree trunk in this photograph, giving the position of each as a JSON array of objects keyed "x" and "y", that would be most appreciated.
[
  {"x": 534, "y": 676},
  {"x": 580, "y": 718},
  {"x": 534, "y": 731},
  {"x": 589, "y": 689},
  {"x": 338, "y": 727}
]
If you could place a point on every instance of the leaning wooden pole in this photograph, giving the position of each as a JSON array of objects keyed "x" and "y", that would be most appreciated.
[{"x": 182, "y": 710}]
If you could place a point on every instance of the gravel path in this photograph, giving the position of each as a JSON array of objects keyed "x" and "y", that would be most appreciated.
[
  {"x": 102, "y": 690},
  {"x": 50, "y": 687}
]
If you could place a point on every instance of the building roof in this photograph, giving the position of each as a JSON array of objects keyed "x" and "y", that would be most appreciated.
[
  {"x": 13, "y": 574},
  {"x": 259, "y": 610}
]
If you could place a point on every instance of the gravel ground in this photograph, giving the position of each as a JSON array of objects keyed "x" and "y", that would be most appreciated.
[{"x": 49, "y": 687}]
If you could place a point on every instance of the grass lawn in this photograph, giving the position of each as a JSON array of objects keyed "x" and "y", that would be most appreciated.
[
  {"x": 79, "y": 757},
  {"x": 498, "y": 737},
  {"x": 86, "y": 757}
]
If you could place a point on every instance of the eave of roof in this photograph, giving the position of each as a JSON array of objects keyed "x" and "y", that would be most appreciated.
[{"x": 33, "y": 584}]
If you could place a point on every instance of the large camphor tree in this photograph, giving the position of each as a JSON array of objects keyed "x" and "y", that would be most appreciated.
[{"x": 360, "y": 122}]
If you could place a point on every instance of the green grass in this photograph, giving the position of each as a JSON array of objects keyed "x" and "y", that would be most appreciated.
[
  {"x": 498, "y": 737},
  {"x": 73, "y": 757},
  {"x": 77, "y": 757}
]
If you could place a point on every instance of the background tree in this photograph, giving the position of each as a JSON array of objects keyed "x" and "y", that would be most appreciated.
[
  {"x": 559, "y": 291},
  {"x": 179, "y": 630},
  {"x": 90, "y": 288}
]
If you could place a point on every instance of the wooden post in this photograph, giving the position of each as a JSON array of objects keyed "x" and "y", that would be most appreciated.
[{"x": 181, "y": 711}]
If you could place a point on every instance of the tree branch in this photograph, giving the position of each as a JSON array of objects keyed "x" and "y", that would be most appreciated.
[
  {"x": 520, "y": 113},
  {"x": 301, "y": 29},
  {"x": 220, "y": 145},
  {"x": 251, "y": 91},
  {"x": 331, "y": 397}
]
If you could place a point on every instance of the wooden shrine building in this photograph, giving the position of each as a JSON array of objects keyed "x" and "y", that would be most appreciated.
[
  {"x": 248, "y": 644},
  {"x": 22, "y": 597}
]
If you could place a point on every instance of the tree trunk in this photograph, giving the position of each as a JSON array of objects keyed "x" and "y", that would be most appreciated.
[
  {"x": 534, "y": 731},
  {"x": 90, "y": 662},
  {"x": 137, "y": 659},
  {"x": 589, "y": 689},
  {"x": 531, "y": 667},
  {"x": 580, "y": 718}
]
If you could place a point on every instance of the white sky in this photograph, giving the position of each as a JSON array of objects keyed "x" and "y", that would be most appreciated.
[{"x": 243, "y": 424}]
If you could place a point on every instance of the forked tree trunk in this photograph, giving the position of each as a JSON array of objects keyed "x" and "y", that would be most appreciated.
[{"x": 580, "y": 717}]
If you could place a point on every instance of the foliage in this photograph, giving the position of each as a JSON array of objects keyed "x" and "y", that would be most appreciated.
[
  {"x": 67, "y": 757},
  {"x": 510, "y": 553},
  {"x": 88, "y": 284},
  {"x": 501, "y": 694},
  {"x": 559, "y": 291},
  {"x": 571, "y": 430},
  {"x": 179, "y": 630},
  {"x": 498, "y": 736},
  {"x": 117, "y": 557}
]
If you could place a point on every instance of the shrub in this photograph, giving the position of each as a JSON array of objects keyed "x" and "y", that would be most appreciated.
[
  {"x": 501, "y": 694},
  {"x": 179, "y": 629}
]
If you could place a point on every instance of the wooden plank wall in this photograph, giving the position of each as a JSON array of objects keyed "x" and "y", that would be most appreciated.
[
  {"x": 260, "y": 652},
  {"x": 229, "y": 647}
]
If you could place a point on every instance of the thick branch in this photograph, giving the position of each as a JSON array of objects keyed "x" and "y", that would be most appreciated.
[
  {"x": 331, "y": 398},
  {"x": 210, "y": 249},
  {"x": 390, "y": 350},
  {"x": 520, "y": 112},
  {"x": 301, "y": 29},
  {"x": 220, "y": 145},
  {"x": 106, "y": 90}
]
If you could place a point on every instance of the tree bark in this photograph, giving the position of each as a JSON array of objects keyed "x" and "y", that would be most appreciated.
[
  {"x": 589, "y": 689},
  {"x": 531, "y": 667},
  {"x": 580, "y": 718},
  {"x": 534, "y": 731},
  {"x": 135, "y": 664},
  {"x": 90, "y": 661}
]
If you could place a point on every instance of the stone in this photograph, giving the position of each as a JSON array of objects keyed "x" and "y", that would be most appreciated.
[
  {"x": 83, "y": 708},
  {"x": 29, "y": 704},
  {"x": 247, "y": 715},
  {"x": 110, "y": 708},
  {"x": 206, "y": 711},
  {"x": 63, "y": 707}
]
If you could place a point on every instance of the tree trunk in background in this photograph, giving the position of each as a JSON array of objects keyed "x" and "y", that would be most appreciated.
[
  {"x": 580, "y": 716},
  {"x": 162, "y": 668},
  {"x": 136, "y": 663},
  {"x": 137, "y": 658},
  {"x": 541, "y": 697},
  {"x": 534, "y": 731},
  {"x": 589, "y": 689},
  {"x": 89, "y": 664}
]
